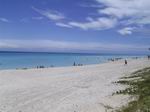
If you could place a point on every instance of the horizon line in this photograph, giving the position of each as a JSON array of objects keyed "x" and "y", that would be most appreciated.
[{"x": 90, "y": 53}]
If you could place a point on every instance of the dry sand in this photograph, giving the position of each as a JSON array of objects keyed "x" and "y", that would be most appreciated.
[{"x": 65, "y": 89}]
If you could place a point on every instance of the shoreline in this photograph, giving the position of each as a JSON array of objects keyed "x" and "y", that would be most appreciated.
[
  {"x": 76, "y": 88},
  {"x": 51, "y": 67},
  {"x": 4, "y": 64}
]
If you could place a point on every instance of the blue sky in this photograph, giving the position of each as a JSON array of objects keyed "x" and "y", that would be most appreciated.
[{"x": 103, "y": 26}]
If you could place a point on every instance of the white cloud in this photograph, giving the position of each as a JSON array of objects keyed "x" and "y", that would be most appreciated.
[
  {"x": 50, "y": 14},
  {"x": 98, "y": 24},
  {"x": 89, "y": 19},
  {"x": 4, "y": 20},
  {"x": 137, "y": 10},
  {"x": 63, "y": 25},
  {"x": 127, "y": 12},
  {"x": 126, "y": 31}
]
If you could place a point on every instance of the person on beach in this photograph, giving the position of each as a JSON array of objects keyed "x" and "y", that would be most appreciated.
[
  {"x": 149, "y": 57},
  {"x": 74, "y": 64},
  {"x": 125, "y": 62}
]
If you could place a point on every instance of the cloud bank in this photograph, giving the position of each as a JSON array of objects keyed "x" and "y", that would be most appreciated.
[{"x": 50, "y": 45}]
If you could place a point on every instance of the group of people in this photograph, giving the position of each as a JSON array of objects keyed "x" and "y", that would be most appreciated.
[
  {"x": 74, "y": 64},
  {"x": 40, "y": 67}
]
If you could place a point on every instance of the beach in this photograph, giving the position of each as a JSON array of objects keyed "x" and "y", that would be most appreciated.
[{"x": 87, "y": 88}]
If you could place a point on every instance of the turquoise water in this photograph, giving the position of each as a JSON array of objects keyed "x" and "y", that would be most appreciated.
[{"x": 14, "y": 60}]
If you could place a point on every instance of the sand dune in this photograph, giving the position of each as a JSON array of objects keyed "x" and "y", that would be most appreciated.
[{"x": 65, "y": 89}]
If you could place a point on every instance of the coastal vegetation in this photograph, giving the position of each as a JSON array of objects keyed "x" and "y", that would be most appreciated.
[{"x": 138, "y": 86}]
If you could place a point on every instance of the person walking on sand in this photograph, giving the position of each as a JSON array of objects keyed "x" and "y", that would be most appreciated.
[{"x": 125, "y": 62}]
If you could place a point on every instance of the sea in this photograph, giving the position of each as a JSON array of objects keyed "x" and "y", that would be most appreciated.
[{"x": 19, "y": 60}]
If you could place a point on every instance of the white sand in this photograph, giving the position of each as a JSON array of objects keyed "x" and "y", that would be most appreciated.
[{"x": 65, "y": 89}]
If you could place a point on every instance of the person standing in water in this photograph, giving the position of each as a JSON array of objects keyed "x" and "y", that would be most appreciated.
[{"x": 125, "y": 62}]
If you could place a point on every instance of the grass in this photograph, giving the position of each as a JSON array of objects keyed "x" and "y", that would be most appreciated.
[{"x": 139, "y": 87}]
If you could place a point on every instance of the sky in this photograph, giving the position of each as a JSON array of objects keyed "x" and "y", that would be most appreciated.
[{"x": 93, "y": 26}]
